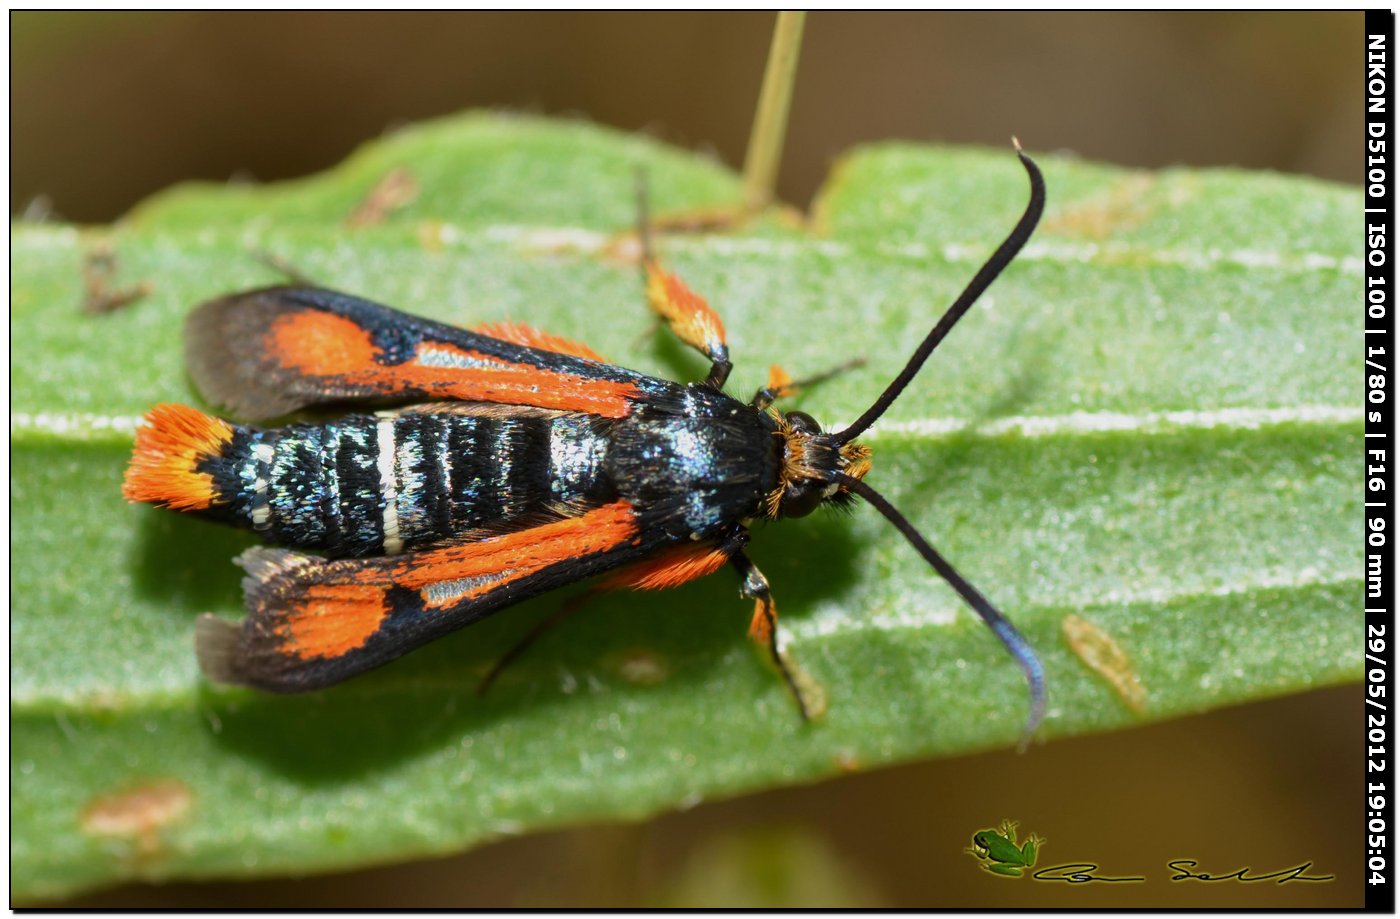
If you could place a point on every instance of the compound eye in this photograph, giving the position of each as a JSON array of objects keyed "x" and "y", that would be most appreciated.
[
  {"x": 803, "y": 423},
  {"x": 802, "y": 498}
]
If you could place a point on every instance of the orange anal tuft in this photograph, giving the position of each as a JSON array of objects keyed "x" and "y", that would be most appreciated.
[{"x": 168, "y": 449}]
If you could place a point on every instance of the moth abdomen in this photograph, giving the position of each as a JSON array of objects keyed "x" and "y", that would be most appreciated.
[{"x": 371, "y": 484}]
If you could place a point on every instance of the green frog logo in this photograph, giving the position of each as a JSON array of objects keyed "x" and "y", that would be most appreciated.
[{"x": 999, "y": 853}]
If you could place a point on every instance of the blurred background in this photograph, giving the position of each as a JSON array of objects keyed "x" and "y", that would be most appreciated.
[{"x": 107, "y": 108}]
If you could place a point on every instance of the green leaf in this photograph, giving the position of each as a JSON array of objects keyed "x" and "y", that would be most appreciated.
[{"x": 1149, "y": 422}]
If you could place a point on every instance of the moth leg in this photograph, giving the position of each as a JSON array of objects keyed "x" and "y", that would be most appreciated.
[
  {"x": 686, "y": 312},
  {"x": 781, "y": 385},
  {"x": 565, "y": 610},
  {"x": 764, "y": 627}
]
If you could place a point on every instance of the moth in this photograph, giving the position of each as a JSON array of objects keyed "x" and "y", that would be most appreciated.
[{"x": 484, "y": 467}]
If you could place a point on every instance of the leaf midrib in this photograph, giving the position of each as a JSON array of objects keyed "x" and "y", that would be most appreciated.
[
  {"x": 577, "y": 240},
  {"x": 88, "y": 428}
]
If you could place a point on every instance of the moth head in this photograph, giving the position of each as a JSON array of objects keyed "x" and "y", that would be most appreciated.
[
  {"x": 811, "y": 460},
  {"x": 820, "y": 466}
]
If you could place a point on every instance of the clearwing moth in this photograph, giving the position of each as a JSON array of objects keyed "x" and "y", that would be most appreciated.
[{"x": 503, "y": 462}]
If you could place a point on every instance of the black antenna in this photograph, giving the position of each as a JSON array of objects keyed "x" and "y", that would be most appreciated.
[
  {"x": 1013, "y": 640},
  {"x": 979, "y": 283}
]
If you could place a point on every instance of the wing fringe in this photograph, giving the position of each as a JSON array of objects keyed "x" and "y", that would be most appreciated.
[
  {"x": 216, "y": 649},
  {"x": 223, "y": 351}
]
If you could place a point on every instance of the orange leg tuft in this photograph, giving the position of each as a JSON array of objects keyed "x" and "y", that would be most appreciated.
[
  {"x": 761, "y": 625},
  {"x": 687, "y": 313}
]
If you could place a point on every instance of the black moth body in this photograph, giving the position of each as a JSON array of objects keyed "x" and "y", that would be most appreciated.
[{"x": 362, "y": 485}]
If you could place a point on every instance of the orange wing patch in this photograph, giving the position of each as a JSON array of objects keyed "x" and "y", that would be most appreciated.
[
  {"x": 671, "y": 568},
  {"x": 446, "y": 371},
  {"x": 319, "y": 610},
  {"x": 450, "y": 575},
  {"x": 329, "y": 620},
  {"x": 517, "y": 333},
  {"x": 321, "y": 344}
]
